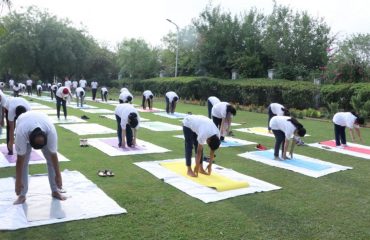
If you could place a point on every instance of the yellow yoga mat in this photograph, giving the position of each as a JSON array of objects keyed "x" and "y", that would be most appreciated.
[
  {"x": 215, "y": 180},
  {"x": 259, "y": 130}
]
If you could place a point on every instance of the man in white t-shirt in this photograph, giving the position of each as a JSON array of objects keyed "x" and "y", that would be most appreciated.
[
  {"x": 125, "y": 97},
  {"x": 211, "y": 101},
  {"x": 74, "y": 86},
  {"x": 123, "y": 90},
  {"x": 94, "y": 88},
  {"x": 34, "y": 130},
  {"x": 14, "y": 108},
  {"x": 285, "y": 128},
  {"x": 104, "y": 94},
  {"x": 276, "y": 109},
  {"x": 342, "y": 120},
  {"x": 147, "y": 98},
  {"x": 11, "y": 84},
  {"x": 222, "y": 114},
  {"x": 29, "y": 83},
  {"x": 39, "y": 90},
  {"x": 67, "y": 83},
  {"x": 80, "y": 95},
  {"x": 198, "y": 131},
  {"x": 171, "y": 101},
  {"x": 83, "y": 83},
  {"x": 61, "y": 96},
  {"x": 16, "y": 89},
  {"x": 128, "y": 120}
]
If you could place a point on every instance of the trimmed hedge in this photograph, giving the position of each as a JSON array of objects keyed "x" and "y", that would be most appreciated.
[{"x": 293, "y": 94}]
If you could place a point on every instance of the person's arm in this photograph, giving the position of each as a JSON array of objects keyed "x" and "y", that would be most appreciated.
[
  {"x": 292, "y": 148},
  {"x": 123, "y": 138},
  {"x": 286, "y": 146},
  {"x": 197, "y": 160},
  {"x": 134, "y": 132},
  {"x": 211, "y": 157},
  {"x": 18, "y": 174},
  {"x": 11, "y": 135},
  {"x": 58, "y": 175},
  {"x": 2, "y": 116},
  {"x": 359, "y": 134},
  {"x": 222, "y": 127},
  {"x": 352, "y": 135}
]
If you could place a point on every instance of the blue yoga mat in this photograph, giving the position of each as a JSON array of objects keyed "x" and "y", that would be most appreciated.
[
  {"x": 230, "y": 144},
  {"x": 175, "y": 115},
  {"x": 296, "y": 162}
]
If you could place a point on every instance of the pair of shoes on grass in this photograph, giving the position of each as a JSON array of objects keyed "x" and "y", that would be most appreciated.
[{"x": 105, "y": 173}]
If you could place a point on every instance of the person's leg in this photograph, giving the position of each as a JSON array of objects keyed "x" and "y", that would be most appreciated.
[
  {"x": 51, "y": 171},
  {"x": 94, "y": 93},
  {"x": 129, "y": 136},
  {"x": 195, "y": 143},
  {"x": 143, "y": 103},
  {"x": 270, "y": 116},
  {"x": 209, "y": 109},
  {"x": 217, "y": 121},
  {"x": 106, "y": 96},
  {"x": 82, "y": 101},
  {"x": 167, "y": 105},
  {"x": 25, "y": 171},
  {"x": 173, "y": 107},
  {"x": 78, "y": 100},
  {"x": 150, "y": 103},
  {"x": 64, "y": 104},
  {"x": 343, "y": 135},
  {"x": 59, "y": 102},
  {"x": 279, "y": 137},
  {"x": 337, "y": 134},
  {"x": 188, "y": 135},
  {"x": 119, "y": 131}
]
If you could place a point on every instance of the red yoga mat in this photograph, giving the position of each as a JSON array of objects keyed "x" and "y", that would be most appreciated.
[{"x": 331, "y": 143}]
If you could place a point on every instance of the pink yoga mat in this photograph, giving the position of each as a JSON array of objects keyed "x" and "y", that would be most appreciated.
[
  {"x": 331, "y": 143},
  {"x": 13, "y": 158},
  {"x": 147, "y": 110},
  {"x": 113, "y": 142}
]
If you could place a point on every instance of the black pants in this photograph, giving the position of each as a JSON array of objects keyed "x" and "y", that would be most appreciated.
[
  {"x": 7, "y": 127},
  {"x": 271, "y": 114},
  {"x": 104, "y": 96},
  {"x": 170, "y": 106},
  {"x": 16, "y": 93},
  {"x": 190, "y": 142},
  {"x": 217, "y": 121},
  {"x": 279, "y": 140},
  {"x": 129, "y": 135},
  {"x": 210, "y": 106},
  {"x": 61, "y": 101},
  {"x": 94, "y": 93},
  {"x": 29, "y": 90},
  {"x": 340, "y": 134},
  {"x": 146, "y": 101},
  {"x": 39, "y": 92}
]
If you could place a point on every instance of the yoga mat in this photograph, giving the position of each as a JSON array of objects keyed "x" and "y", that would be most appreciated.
[
  {"x": 84, "y": 200},
  {"x": 263, "y": 131},
  {"x": 97, "y": 110},
  {"x": 201, "y": 192},
  {"x": 353, "y": 149},
  {"x": 301, "y": 164},
  {"x": 215, "y": 180},
  {"x": 46, "y": 111},
  {"x": 229, "y": 141},
  {"x": 175, "y": 115},
  {"x": 160, "y": 126},
  {"x": 70, "y": 119},
  {"x": 140, "y": 109},
  {"x": 35, "y": 105},
  {"x": 113, "y": 117},
  {"x": 87, "y": 128},
  {"x": 110, "y": 147},
  {"x": 85, "y": 106}
]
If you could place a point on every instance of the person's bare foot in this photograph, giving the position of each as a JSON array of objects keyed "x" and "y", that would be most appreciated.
[
  {"x": 20, "y": 200},
  {"x": 201, "y": 170},
  {"x": 58, "y": 196},
  {"x": 191, "y": 173}
]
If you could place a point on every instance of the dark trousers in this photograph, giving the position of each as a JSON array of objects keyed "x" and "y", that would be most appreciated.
[
  {"x": 271, "y": 114},
  {"x": 279, "y": 140},
  {"x": 39, "y": 92},
  {"x": 170, "y": 107},
  {"x": 104, "y": 96},
  {"x": 129, "y": 135},
  {"x": 146, "y": 101},
  {"x": 94, "y": 93},
  {"x": 217, "y": 121},
  {"x": 29, "y": 90},
  {"x": 16, "y": 93},
  {"x": 340, "y": 134},
  {"x": 190, "y": 142},
  {"x": 61, "y": 101},
  {"x": 7, "y": 127},
  {"x": 210, "y": 106}
]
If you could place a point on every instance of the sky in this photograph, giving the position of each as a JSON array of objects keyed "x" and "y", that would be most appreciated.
[{"x": 111, "y": 21}]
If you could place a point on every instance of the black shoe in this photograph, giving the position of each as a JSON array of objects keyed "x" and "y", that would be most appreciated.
[{"x": 85, "y": 117}]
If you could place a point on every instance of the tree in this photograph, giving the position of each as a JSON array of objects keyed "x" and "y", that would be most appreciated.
[{"x": 137, "y": 60}]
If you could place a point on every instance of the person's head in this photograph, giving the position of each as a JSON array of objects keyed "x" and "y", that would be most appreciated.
[
  {"x": 301, "y": 131},
  {"x": 286, "y": 112},
  {"x": 128, "y": 99},
  {"x": 65, "y": 91},
  {"x": 151, "y": 96},
  {"x": 360, "y": 121},
  {"x": 18, "y": 111},
  {"x": 38, "y": 138},
  {"x": 175, "y": 99},
  {"x": 82, "y": 93},
  {"x": 132, "y": 120},
  {"x": 214, "y": 142},
  {"x": 230, "y": 109},
  {"x": 120, "y": 101}
]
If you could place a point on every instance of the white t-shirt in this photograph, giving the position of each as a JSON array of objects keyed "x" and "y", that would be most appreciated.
[
  {"x": 39, "y": 87},
  {"x": 213, "y": 100},
  {"x": 3, "y": 100},
  {"x": 11, "y": 82},
  {"x": 171, "y": 95},
  {"x": 94, "y": 84},
  {"x": 79, "y": 90},
  {"x": 29, "y": 82},
  {"x": 13, "y": 103},
  {"x": 123, "y": 96},
  {"x": 276, "y": 109},
  {"x": 147, "y": 94},
  {"x": 22, "y": 86},
  {"x": 202, "y": 126},
  {"x": 60, "y": 93},
  {"x": 83, "y": 83},
  {"x": 104, "y": 89},
  {"x": 281, "y": 123},
  {"x": 16, "y": 88},
  {"x": 68, "y": 84},
  {"x": 74, "y": 84},
  {"x": 54, "y": 87},
  {"x": 219, "y": 109},
  {"x": 345, "y": 119},
  {"x": 124, "y": 90},
  {"x": 26, "y": 123},
  {"x": 123, "y": 110}
]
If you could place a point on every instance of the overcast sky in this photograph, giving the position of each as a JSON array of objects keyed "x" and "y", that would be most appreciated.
[{"x": 111, "y": 21}]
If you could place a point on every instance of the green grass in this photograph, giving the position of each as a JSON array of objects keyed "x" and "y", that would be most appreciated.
[{"x": 335, "y": 206}]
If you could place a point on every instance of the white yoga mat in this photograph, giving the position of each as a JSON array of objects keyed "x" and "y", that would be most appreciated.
[
  {"x": 46, "y": 111},
  {"x": 229, "y": 141},
  {"x": 263, "y": 131},
  {"x": 346, "y": 151},
  {"x": 113, "y": 117},
  {"x": 70, "y": 119},
  {"x": 175, "y": 115},
  {"x": 35, "y": 105},
  {"x": 301, "y": 164},
  {"x": 201, "y": 192},
  {"x": 140, "y": 109},
  {"x": 110, "y": 147},
  {"x": 46, "y": 97},
  {"x": 160, "y": 126},
  {"x": 85, "y": 106},
  {"x": 87, "y": 128},
  {"x": 84, "y": 200},
  {"x": 97, "y": 110}
]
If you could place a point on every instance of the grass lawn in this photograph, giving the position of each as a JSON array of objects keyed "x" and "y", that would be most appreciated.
[{"x": 335, "y": 206}]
